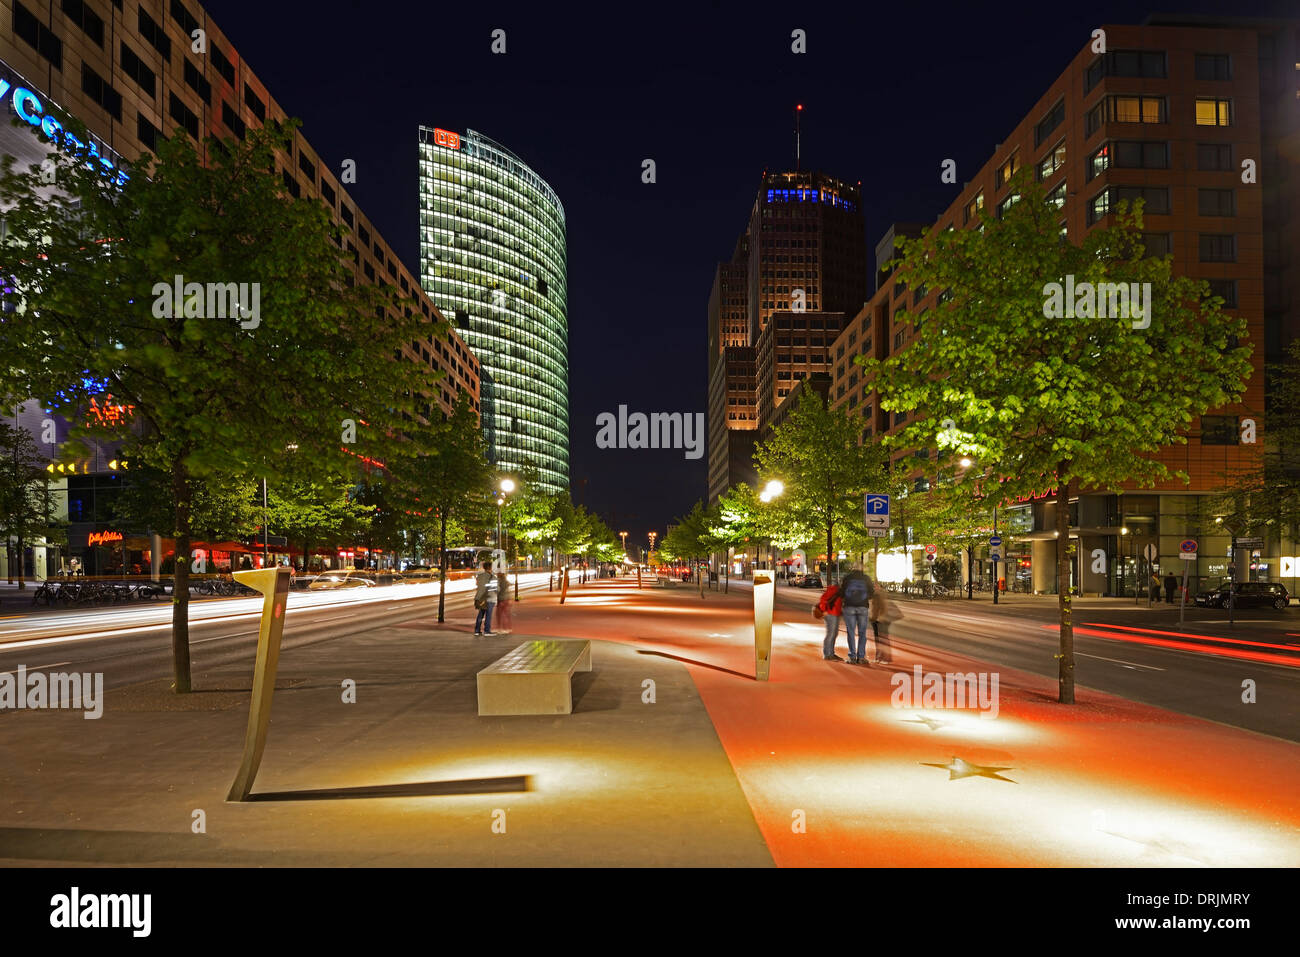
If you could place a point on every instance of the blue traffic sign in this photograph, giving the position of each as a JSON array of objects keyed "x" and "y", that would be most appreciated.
[
  {"x": 995, "y": 540},
  {"x": 877, "y": 504}
]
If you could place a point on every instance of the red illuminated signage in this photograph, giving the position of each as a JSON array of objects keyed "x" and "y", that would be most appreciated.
[
  {"x": 103, "y": 538},
  {"x": 444, "y": 138},
  {"x": 109, "y": 413}
]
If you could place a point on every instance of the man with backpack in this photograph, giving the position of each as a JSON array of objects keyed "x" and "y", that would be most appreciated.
[{"x": 856, "y": 590}]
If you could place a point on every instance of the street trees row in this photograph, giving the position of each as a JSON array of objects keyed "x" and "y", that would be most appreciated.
[{"x": 223, "y": 314}]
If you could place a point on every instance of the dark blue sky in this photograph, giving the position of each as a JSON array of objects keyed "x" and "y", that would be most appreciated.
[{"x": 704, "y": 89}]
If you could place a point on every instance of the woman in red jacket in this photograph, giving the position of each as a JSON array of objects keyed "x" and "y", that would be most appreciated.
[{"x": 831, "y": 605}]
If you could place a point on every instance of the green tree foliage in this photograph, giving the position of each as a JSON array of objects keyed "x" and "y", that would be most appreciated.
[
  {"x": 1039, "y": 400},
  {"x": 94, "y": 263},
  {"x": 314, "y": 513},
  {"x": 816, "y": 455}
]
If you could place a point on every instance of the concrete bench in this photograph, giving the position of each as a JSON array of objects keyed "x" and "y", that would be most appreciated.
[
  {"x": 663, "y": 582},
  {"x": 535, "y": 678}
]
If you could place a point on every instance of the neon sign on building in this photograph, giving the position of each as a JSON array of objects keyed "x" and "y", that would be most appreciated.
[
  {"x": 27, "y": 106},
  {"x": 444, "y": 138}
]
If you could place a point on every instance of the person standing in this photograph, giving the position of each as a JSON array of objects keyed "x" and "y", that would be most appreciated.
[
  {"x": 504, "y": 623},
  {"x": 1155, "y": 587},
  {"x": 485, "y": 596},
  {"x": 831, "y": 605},
  {"x": 1171, "y": 586},
  {"x": 857, "y": 590},
  {"x": 883, "y": 610}
]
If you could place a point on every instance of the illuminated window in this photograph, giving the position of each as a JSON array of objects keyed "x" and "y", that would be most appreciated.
[
  {"x": 973, "y": 207},
  {"x": 1007, "y": 170},
  {"x": 1057, "y": 196},
  {"x": 1213, "y": 111},
  {"x": 1053, "y": 161}
]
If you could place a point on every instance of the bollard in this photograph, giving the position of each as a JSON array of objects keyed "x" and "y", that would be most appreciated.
[
  {"x": 763, "y": 597},
  {"x": 274, "y": 584},
  {"x": 564, "y": 583},
  {"x": 638, "y": 576}
]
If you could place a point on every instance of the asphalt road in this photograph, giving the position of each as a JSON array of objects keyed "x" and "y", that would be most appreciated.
[
  {"x": 1125, "y": 649},
  {"x": 132, "y": 643}
]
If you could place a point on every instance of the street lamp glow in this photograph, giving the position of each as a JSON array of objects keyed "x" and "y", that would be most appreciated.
[
  {"x": 966, "y": 462},
  {"x": 507, "y": 485}
]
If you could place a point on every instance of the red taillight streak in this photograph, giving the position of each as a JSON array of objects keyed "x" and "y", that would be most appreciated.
[
  {"x": 1183, "y": 634},
  {"x": 1184, "y": 646}
]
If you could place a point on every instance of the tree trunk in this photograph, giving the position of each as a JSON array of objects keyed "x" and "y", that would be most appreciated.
[
  {"x": 182, "y": 493},
  {"x": 1066, "y": 655},
  {"x": 442, "y": 565},
  {"x": 22, "y": 566},
  {"x": 830, "y": 555},
  {"x": 970, "y": 572}
]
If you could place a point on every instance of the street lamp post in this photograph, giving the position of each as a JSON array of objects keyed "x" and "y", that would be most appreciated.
[
  {"x": 1232, "y": 571},
  {"x": 771, "y": 491}
]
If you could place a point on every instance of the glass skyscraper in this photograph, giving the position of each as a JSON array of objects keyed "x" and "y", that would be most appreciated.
[{"x": 493, "y": 258}]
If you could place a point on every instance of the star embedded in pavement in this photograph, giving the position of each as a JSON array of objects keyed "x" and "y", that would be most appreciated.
[
  {"x": 932, "y": 723},
  {"x": 963, "y": 769}
]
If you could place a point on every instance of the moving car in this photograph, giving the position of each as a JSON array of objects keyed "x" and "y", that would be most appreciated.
[
  {"x": 350, "y": 578},
  {"x": 808, "y": 581},
  {"x": 1246, "y": 595}
]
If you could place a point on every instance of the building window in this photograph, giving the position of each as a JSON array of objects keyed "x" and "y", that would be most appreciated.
[
  {"x": 1141, "y": 154},
  {"x": 152, "y": 32},
  {"x": 232, "y": 121},
  {"x": 1057, "y": 196},
  {"x": 1213, "y": 111},
  {"x": 188, "y": 23},
  {"x": 1004, "y": 207},
  {"x": 1218, "y": 247},
  {"x": 973, "y": 207},
  {"x": 223, "y": 65},
  {"x": 1099, "y": 161},
  {"x": 1054, "y": 118},
  {"x": 1155, "y": 199},
  {"x": 38, "y": 36},
  {"x": 1098, "y": 207},
  {"x": 254, "y": 103},
  {"x": 182, "y": 114},
  {"x": 1126, "y": 109},
  {"x": 1125, "y": 63},
  {"x": 146, "y": 132},
  {"x": 307, "y": 166},
  {"x": 1157, "y": 245},
  {"x": 1225, "y": 289},
  {"x": 1214, "y": 156},
  {"x": 1213, "y": 66},
  {"x": 1008, "y": 170},
  {"x": 94, "y": 86},
  {"x": 136, "y": 69},
  {"x": 1053, "y": 161},
  {"x": 1219, "y": 430},
  {"x": 1216, "y": 202},
  {"x": 195, "y": 81},
  {"x": 86, "y": 18}
]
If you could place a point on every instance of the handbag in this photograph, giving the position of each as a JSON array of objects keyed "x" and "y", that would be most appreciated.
[{"x": 818, "y": 613}]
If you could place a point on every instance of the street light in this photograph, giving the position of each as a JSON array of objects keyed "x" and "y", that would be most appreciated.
[{"x": 772, "y": 490}]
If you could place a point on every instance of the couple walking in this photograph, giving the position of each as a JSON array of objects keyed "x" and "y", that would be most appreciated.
[
  {"x": 491, "y": 591},
  {"x": 857, "y": 600}
]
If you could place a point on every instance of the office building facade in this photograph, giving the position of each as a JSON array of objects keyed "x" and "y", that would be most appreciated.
[
  {"x": 1174, "y": 113},
  {"x": 127, "y": 71},
  {"x": 493, "y": 256}
]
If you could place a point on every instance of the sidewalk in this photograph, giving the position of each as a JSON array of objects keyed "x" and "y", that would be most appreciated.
[{"x": 814, "y": 767}]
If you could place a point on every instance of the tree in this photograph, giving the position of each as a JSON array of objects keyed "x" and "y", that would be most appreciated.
[
  {"x": 26, "y": 510},
  {"x": 454, "y": 475},
  {"x": 532, "y": 515},
  {"x": 315, "y": 511},
  {"x": 219, "y": 309},
  {"x": 816, "y": 455},
  {"x": 1035, "y": 397}
]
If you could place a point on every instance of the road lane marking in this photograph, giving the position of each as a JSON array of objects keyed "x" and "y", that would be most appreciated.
[
  {"x": 1127, "y": 664},
  {"x": 31, "y": 668}
]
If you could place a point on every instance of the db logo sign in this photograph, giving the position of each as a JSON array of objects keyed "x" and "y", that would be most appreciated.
[{"x": 449, "y": 140}]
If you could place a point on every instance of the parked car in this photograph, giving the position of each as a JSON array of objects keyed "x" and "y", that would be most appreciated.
[
  {"x": 342, "y": 579},
  {"x": 808, "y": 581},
  {"x": 1246, "y": 595}
]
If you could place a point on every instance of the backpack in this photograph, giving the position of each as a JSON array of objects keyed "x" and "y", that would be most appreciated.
[{"x": 856, "y": 592}]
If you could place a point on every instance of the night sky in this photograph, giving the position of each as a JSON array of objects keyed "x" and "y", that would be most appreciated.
[{"x": 707, "y": 90}]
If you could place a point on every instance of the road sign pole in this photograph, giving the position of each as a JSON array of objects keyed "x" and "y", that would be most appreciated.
[{"x": 1182, "y": 602}]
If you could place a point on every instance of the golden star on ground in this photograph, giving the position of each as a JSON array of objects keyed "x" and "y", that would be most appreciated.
[{"x": 958, "y": 768}]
